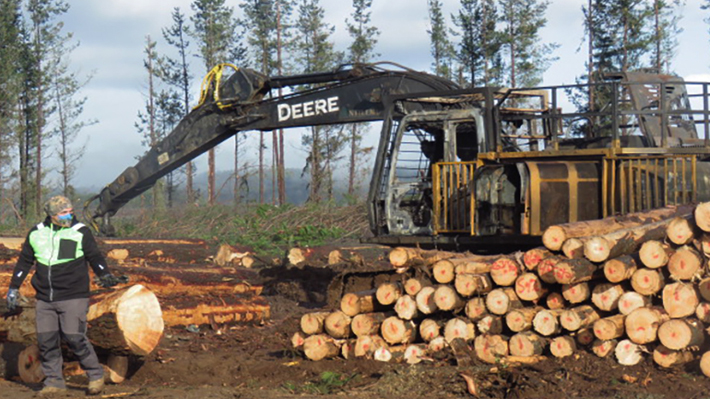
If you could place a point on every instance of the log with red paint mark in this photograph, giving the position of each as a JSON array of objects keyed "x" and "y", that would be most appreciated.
[
  {"x": 546, "y": 322},
  {"x": 573, "y": 248},
  {"x": 576, "y": 293},
  {"x": 685, "y": 263},
  {"x": 490, "y": 324},
  {"x": 533, "y": 257},
  {"x": 519, "y": 320},
  {"x": 354, "y": 303},
  {"x": 526, "y": 344},
  {"x": 368, "y": 323},
  {"x": 504, "y": 271},
  {"x": 459, "y": 328},
  {"x": 603, "y": 348},
  {"x": 320, "y": 346},
  {"x": 677, "y": 334},
  {"x": 406, "y": 307},
  {"x": 575, "y": 271},
  {"x": 667, "y": 358},
  {"x": 642, "y": 324},
  {"x": 609, "y": 327},
  {"x": 632, "y": 300},
  {"x": 605, "y": 296},
  {"x": 337, "y": 324},
  {"x": 647, "y": 281},
  {"x": 528, "y": 287},
  {"x": 430, "y": 329},
  {"x": 476, "y": 308},
  {"x": 701, "y": 216},
  {"x": 655, "y": 253},
  {"x": 490, "y": 347},
  {"x": 312, "y": 323},
  {"x": 680, "y": 230},
  {"x": 680, "y": 299},
  {"x": 546, "y": 269},
  {"x": 620, "y": 269},
  {"x": 425, "y": 300},
  {"x": 562, "y": 346},
  {"x": 623, "y": 242},
  {"x": 397, "y": 331},
  {"x": 471, "y": 284},
  {"x": 447, "y": 299},
  {"x": 629, "y": 353},
  {"x": 502, "y": 300},
  {"x": 579, "y": 317},
  {"x": 388, "y": 293},
  {"x": 554, "y": 236}
]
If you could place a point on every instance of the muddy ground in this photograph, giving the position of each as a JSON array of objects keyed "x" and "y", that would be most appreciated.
[{"x": 257, "y": 361}]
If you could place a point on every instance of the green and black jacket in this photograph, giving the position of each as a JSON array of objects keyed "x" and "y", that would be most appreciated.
[{"x": 61, "y": 255}]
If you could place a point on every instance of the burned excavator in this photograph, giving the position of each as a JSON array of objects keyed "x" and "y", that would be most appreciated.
[{"x": 468, "y": 168}]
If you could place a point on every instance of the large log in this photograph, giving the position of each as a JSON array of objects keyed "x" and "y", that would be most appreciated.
[
  {"x": 685, "y": 263},
  {"x": 533, "y": 257},
  {"x": 546, "y": 322},
  {"x": 526, "y": 344},
  {"x": 459, "y": 328},
  {"x": 337, "y": 324},
  {"x": 490, "y": 348},
  {"x": 654, "y": 254},
  {"x": 127, "y": 321},
  {"x": 677, "y": 334},
  {"x": 701, "y": 215},
  {"x": 529, "y": 287},
  {"x": 555, "y": 236},
  {"x": 505, "y": 270},
  {"x": 647, "y": 281},
  {"x": 642, "y": 324},
  {"x": 680, "y": 300},
  {"x": 680, "y": 230},
  {"x": 628, "y": 353},
  {"x": 397, "y": 331},
  {"x": 430, "y": 329},
  {"x": 215, "y": 310},
  {"x": 447, "y": 299},
  {"x": 623, "y": 242}
]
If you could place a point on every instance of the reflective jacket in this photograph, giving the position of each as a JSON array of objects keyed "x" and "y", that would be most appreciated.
[{"x": 61, "y": 255}]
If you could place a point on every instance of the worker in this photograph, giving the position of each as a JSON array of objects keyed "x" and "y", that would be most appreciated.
[{"x": 60, "y": 248}]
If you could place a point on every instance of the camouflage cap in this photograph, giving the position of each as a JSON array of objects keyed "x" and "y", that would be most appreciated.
[{"x": 56, "y": 204}]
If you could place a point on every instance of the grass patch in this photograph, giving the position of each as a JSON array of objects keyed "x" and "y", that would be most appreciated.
[{"x": 328, "y": 383}]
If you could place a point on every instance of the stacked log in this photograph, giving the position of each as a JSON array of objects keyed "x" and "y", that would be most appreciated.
[{"x": 631, "y": 287}]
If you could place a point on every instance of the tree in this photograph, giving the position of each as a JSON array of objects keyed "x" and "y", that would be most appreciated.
[
  {"x": 528, "y": 57},
  {"x": 10, "y": 85},
  {"x": 479, "y": 43},
  {"x": 441, "y": 48},
  {"x": 69, "y": 106},
  {"x": 214, "y": 29},
  {"x": 315, "y": 52},
  {"x": 666, "y": 17},
  {"x": 147, "y": 121},
  {"x": 43, "y": 38},
  {"x": 176, "y": 73},
  {"x": 361, "y": 50}
]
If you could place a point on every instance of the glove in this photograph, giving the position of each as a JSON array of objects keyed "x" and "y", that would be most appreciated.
[
  {"x": 13, "y": 295},
  {"x": 109, "y": 280}
]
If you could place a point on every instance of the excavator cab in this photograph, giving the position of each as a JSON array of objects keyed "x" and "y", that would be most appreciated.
[{"x": 498, "y": 166}]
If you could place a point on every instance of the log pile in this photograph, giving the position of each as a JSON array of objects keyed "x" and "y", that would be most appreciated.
[{"x": 630, "y": 286}]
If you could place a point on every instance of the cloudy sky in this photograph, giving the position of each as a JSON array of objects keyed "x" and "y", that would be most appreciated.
[{"x": 112, "y": 35}]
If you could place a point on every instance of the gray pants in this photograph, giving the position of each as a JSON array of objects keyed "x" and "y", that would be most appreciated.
[{"x": 65, "y": 320}]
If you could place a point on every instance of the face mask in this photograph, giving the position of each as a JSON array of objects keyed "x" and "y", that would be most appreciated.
[{"x": 65, "y": 220}]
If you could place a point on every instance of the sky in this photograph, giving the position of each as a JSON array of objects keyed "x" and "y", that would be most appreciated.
[{"x": 112, "y": 35}]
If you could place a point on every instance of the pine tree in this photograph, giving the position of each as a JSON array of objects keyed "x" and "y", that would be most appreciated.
[
  {"x": 10, "y": 68},
  {"x": 666, "y": 30},
  {"x": 175, "y": 71},
  {"x": 214, "y": 29},
  {"x": 479, "y": 43},
  {"x": 441, "y": 48},
  {"x": 315, "y": 52},
  {"x": 528, "y": 57},
  {"x": 364, "y": 39}
]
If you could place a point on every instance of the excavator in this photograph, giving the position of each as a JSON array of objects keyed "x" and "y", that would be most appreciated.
[{"x": 466, "y": 168}]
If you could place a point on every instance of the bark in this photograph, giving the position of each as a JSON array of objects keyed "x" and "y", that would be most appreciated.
[
  {"x": 704, "y": 288},
  {"x": 117, "y": 367},
  {"x": 490, "y": 324},
  {"x": 546, "y": 269}
]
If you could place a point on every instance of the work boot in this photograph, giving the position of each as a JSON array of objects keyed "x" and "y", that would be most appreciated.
[
  {"x": 46, "y": 391},
  {"x": 95, "y": 387}
]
